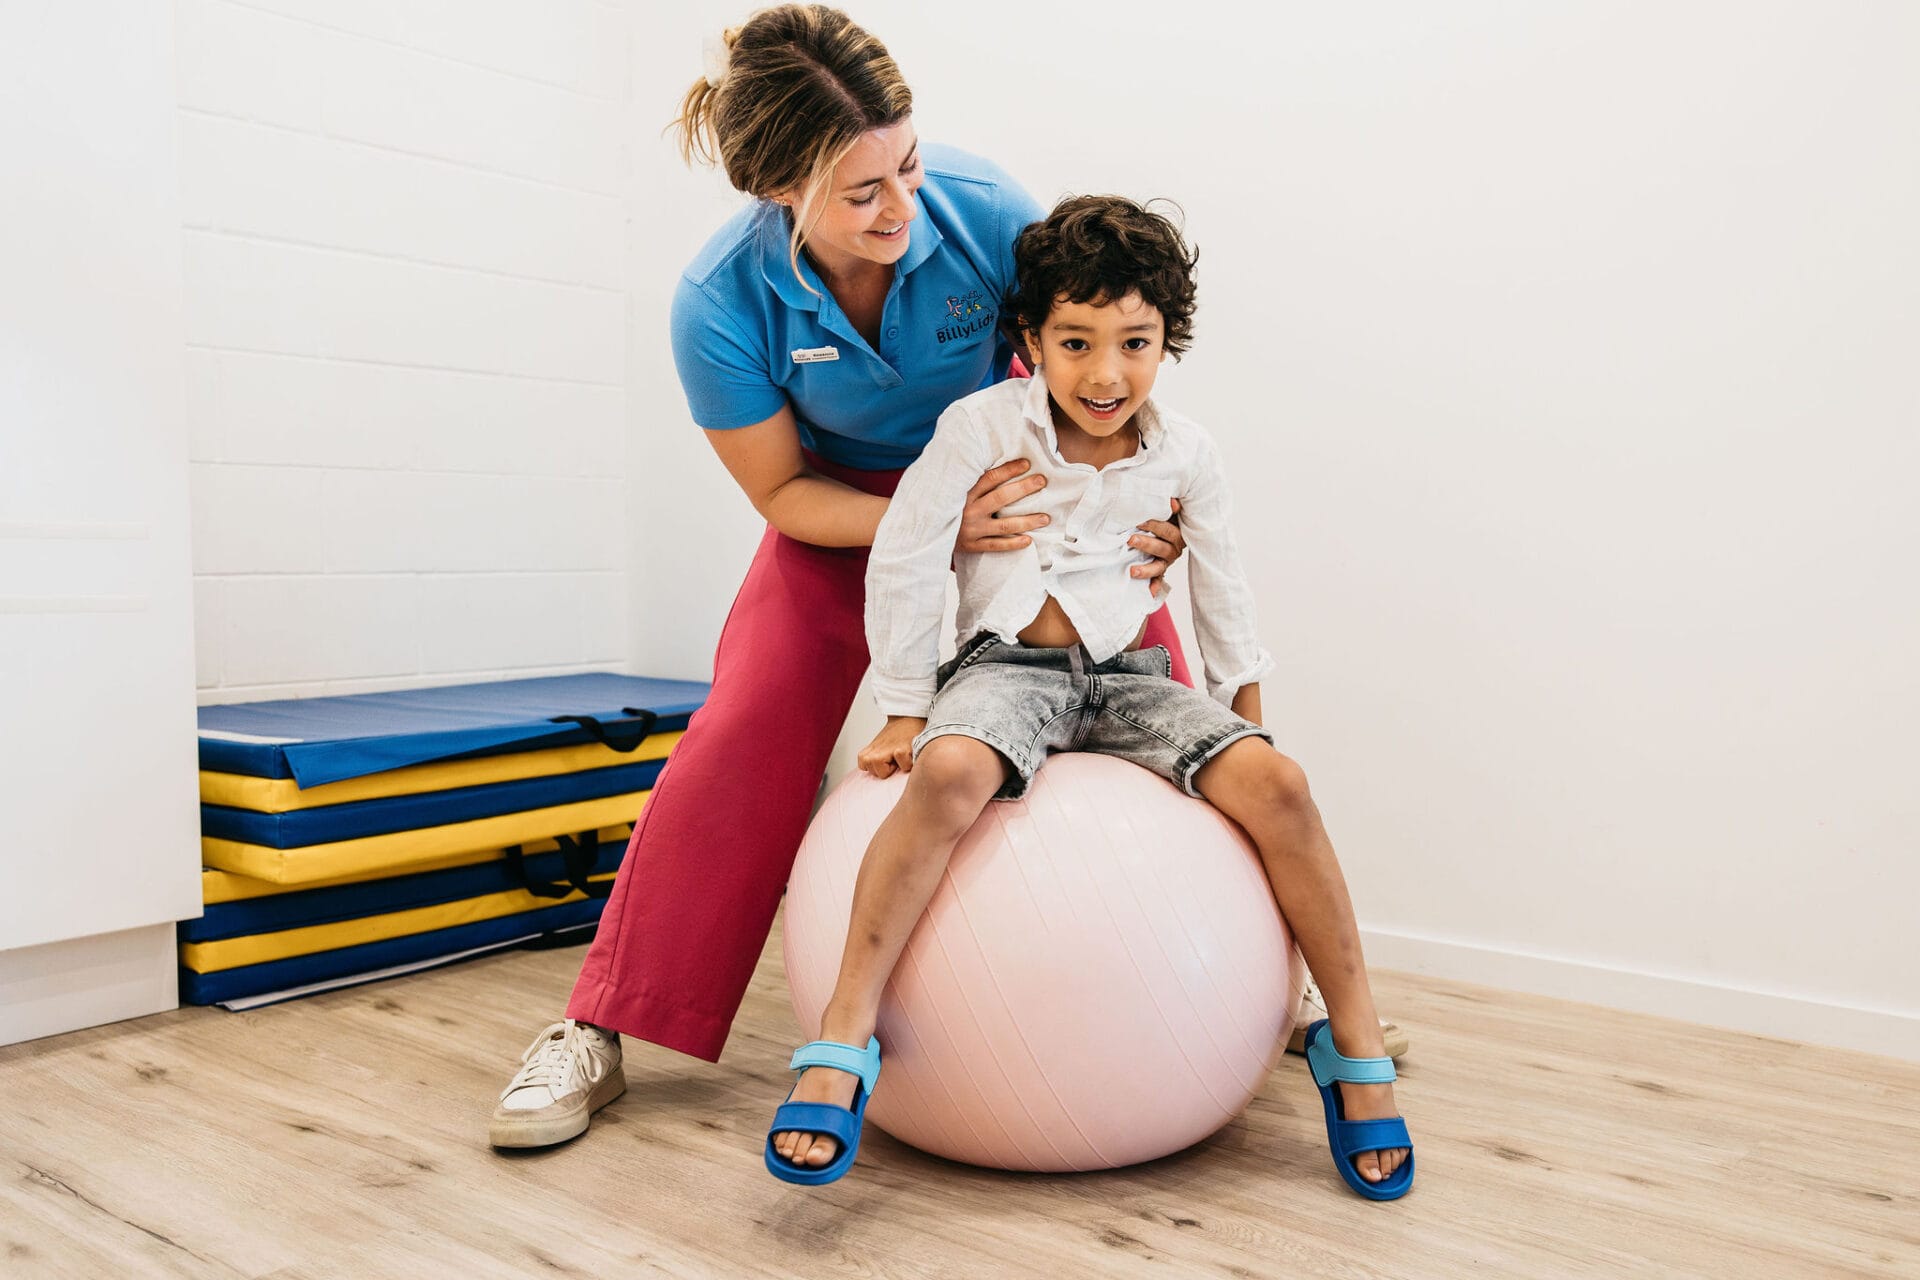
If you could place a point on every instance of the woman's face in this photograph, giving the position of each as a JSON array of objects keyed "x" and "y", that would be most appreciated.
[{"x": 866, "y": 211}]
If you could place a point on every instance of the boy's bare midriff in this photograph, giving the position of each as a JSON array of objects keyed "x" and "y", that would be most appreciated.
[{"x": 1051, "y": 628}]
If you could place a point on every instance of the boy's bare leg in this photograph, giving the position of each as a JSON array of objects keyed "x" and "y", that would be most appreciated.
[
  {"x": 951, "y": 783},
  {"x": 1266, "y": 793}
]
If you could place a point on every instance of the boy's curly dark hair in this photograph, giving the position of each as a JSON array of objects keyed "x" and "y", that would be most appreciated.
[{"x": 1097, "y": 249}]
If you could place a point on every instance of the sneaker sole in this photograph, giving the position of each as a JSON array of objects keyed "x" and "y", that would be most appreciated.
[
  {"x": 548, "y": 1131},
  {"x": 1396, "y": 1039}
]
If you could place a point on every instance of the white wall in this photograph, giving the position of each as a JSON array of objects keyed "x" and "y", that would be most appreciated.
[
  {"x": 406, "y": 327},
  {"x": 1567, "y": 356}
]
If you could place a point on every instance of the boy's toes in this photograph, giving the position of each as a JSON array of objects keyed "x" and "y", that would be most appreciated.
[
  {"x": 1378, "y": 1166},
  {"x": 809, "y": 1150}
]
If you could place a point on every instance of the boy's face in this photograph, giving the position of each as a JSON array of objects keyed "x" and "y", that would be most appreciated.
[{"x": 1100, "y": 360}]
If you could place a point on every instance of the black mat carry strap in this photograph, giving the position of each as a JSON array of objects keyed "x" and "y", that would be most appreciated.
[
  {"x": 621, "y": 735},
  {"x": 577, "y": 856}
]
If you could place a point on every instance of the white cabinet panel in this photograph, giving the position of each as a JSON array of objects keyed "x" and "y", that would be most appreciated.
[{"x": 98, "y": 810}]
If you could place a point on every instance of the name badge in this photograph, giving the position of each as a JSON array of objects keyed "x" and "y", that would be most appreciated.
[{"x": 815, "y": 355}]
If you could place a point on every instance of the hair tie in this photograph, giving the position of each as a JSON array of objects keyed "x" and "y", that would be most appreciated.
[{"x": 716, "y": 54}]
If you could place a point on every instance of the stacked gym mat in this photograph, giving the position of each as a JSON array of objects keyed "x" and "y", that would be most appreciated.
[{"x": 350, "y": 838}]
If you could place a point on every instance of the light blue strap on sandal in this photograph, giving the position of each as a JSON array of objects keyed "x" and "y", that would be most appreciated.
[
  {"x": 1349, "y": 1138},
  {"x": 864, "y": 1063},
  {"x": 1329, "y": 1064},
  {"x": 842, "y": 1124}
]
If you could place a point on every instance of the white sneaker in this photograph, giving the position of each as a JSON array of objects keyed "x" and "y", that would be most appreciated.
[
  {"x": 1313, "y": 1007},
  {"x": 570, "y": 1071}
]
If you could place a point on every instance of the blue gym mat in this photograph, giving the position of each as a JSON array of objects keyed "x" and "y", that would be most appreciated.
[
  {"x": 346, "y": 962},
  {"x": 320, "y": 740},
  {"x": 333, "y": 822},
  {"x": 306, "y": 907}
]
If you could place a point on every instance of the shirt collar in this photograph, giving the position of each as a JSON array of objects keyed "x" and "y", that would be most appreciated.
[
  {"x": 1038, "y": 410},
  {"x": 774, "y": 237}
]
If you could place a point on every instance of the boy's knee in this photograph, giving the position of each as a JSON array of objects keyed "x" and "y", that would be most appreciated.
[
  {"x": 1265, "y": 780},
  {"x": 1283, "y": 783},
  {"x": 954, "y": 776}
]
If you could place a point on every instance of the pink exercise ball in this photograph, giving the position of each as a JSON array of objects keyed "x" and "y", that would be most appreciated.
[{"x": 1102, "y": 977}]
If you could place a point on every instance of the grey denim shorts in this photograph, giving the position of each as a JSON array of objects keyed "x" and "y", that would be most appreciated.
[{"x": 1028, "y": 703}]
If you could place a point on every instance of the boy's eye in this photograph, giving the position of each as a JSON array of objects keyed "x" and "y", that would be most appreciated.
[
  {"x": 1074, "y": 344},
  {"x": 1137, "y": 344}
]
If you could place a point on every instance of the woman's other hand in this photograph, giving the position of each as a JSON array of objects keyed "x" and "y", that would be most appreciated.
[
  {"x": 891, "y": 750},
  {"x": 980, "y": 528},
  {"x": 1162, "y": 540}
]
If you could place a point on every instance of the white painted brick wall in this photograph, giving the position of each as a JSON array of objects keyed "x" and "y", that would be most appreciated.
[
  {"x": 236, "y": 176},
  {"x": 406, "y": 308}
]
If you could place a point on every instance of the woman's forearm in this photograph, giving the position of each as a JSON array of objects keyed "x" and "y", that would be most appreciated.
[{"x": 813, "y": 509}]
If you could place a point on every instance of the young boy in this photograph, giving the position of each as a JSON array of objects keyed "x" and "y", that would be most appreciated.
[{"x": 1104, "y": 292}]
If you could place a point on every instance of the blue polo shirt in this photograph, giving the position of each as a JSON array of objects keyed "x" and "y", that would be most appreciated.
[{"x": 740, "y": 316}]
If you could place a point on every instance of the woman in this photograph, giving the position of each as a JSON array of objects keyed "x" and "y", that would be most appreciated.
[{"x": 818, "y": 337}]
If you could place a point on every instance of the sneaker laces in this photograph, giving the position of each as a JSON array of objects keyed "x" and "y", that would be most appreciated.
[{"x": 550, "y": 1060}]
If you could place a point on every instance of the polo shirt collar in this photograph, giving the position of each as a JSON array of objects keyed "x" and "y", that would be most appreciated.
[
  {"x": 774, "y": 235},
  {"x": 1038, "y": 410},
  {"x": 922, "y": 238}
]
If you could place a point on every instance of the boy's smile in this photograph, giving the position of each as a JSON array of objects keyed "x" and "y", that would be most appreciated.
[{"x": 1100, "y": 361}]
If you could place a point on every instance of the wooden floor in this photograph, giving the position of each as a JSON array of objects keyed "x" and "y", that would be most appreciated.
[{"x": 343, "y": 1135}]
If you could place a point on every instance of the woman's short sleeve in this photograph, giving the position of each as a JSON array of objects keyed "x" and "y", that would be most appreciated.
[{"x": 724, "y": 375}]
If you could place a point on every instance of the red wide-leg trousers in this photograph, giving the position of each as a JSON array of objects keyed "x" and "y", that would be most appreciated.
[{"x": 696, "y": 894}]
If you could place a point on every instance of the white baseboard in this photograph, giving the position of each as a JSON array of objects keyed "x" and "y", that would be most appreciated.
[
  {"x": 1883, "y": 1031},
  {"x": 83, "y": 982}
]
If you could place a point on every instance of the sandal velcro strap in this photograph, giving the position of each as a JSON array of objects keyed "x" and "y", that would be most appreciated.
[
  {"x": 1329, "y": 1065},
  {"x": 864, "y": 1063},
  {"x": 837, "y": 1123},
  {"x": 1374, "y": 1135}
]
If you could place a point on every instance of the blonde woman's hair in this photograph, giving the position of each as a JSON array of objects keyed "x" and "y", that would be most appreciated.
[{"x": 797, "y": 87}]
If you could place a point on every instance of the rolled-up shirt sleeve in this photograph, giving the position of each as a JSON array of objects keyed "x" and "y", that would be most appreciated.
[
  {"x": 912, "y": 554},
  {"x": 1224, "y": 621}
]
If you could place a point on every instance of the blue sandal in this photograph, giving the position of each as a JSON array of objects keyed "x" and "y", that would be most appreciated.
[
  {"x": 842, "y": 1124},
  {"x": 1349, "y": 1138}
]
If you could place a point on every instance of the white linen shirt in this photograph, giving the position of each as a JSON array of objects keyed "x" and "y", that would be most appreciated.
[{"x": 1080, "y": 557}]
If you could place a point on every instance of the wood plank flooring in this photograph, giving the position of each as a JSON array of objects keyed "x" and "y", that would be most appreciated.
[{"x": 344, "y": 1136}]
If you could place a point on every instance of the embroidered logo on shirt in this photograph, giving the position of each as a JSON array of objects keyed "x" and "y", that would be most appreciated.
[{"x": 967, "y": 314}]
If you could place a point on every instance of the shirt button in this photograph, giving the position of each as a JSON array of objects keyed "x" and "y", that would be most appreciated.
[{"x": 893, "y": 333}]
